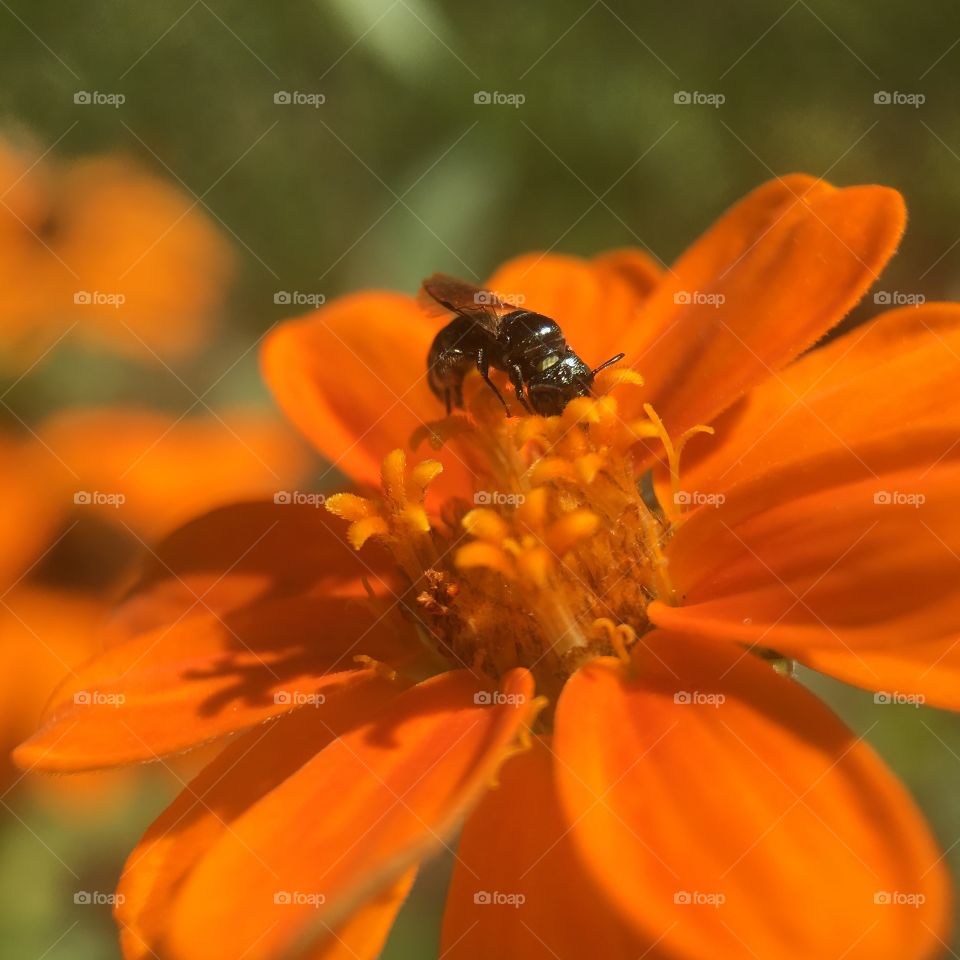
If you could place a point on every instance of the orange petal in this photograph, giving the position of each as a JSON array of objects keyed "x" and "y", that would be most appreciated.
[
  {"x": 765, "y": 282},
  {"x": 247, "y": 770},
  {"x": 890, "y": 375},
  {"x": 744, "y": 820},
  {"x": 103, "y": 250},
  {"x": 362, "y": 935},
  {"x": 34, "y": 503},
  {"x": 43, "y": 636},
  {"x": 168, "y": 469},
  {"x": 206, "y": 676},
  {"x": 123, "y": 231},
  {"x": 856, "y": 553},
  {"x": 595, "y": 303},
  {"x": 352, "y": 378},
  {"x": 518, "y": 887},
  {"x": 242, "y": 553},
  {"x": 915, "y": 674},
  {"x": 375, "y": 801},
  {"x": 639, "y": 269}
]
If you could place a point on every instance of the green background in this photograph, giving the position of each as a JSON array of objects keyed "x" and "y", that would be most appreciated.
[{"x": 399, "y": 173}]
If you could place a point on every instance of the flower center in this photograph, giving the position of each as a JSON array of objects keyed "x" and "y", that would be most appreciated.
[{"x": 561, "y": 550}]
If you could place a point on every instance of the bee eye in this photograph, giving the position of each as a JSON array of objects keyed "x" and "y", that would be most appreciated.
[{"x": 547, "y": 362}]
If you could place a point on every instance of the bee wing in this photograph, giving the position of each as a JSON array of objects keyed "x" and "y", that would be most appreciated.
[{"x": 442, "y": 293}]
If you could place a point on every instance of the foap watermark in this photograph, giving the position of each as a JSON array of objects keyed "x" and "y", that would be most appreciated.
[
  {"x": 699, "y": 699},
  {"x": 298, "y": 898},
  {"x": 699, "y": 298},
  {"x": 898, "y": 298},
  {"x": 298, "y": 98},
  {"x": 497, "y": 498},
  {"x": 896, "y": 698},
  {"x": 498, "y": 99},
  {"x": 98, "y": 298},
  {"x": 899, "y": 99},
  {"x": 96, "y": 898},
  {"x": 497, "y": 698},
  {"x": 299, "y": 298},
  {"x": 897, "y": 898},
  {"x": 497, "y": 898},
  {"x": 95, "y": 98},
  {"x": 97, "y": 498},
  {"x": 897, "y": 498},
  {"x": 493, "y": 297},
  {"x": 697, "y": 98},
  {"x": 698, "y": 498},
  {"x": 99, "y": 698},
  {"x": 694, "y": 898},
  {"x": 297, "y": 698},
  {"x": 299, "y": 498}
]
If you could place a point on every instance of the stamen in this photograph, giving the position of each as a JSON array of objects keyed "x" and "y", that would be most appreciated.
[
  {"x": 620, "y": 636},
  {"x": 673, "y": 456},
  {"x": 560, "y": 562},
  {"x": 524, "y": 739}
]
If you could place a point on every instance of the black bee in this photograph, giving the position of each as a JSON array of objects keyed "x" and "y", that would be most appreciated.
[{"x": 486, "y": 332}]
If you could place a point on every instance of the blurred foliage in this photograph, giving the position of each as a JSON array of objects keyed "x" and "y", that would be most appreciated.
[{"x": 399, "y": 173}]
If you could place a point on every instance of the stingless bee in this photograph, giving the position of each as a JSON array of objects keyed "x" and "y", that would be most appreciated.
[{"x": 487, "y": 331}]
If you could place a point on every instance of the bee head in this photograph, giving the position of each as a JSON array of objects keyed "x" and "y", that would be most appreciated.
[{"x": 561, "y": 378}]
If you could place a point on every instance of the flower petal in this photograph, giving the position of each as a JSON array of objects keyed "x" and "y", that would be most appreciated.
[
  {"x": 775, "y": 273},
  {"x": 170, "y": 469},
  {"x": 639, "y": 269},
  {"x": 125, "y": 231},
  {"x": 34, "y": 503},
  {"x": 352, "y": 377},
  {"x": 179, "y": 686},
  {"x": 44, "y": 634},
  {"x": 854, "y": 553},
  {"x": 126, "y": 259},
  {"x": 744, "y": 820},
  {"x": 518, "y": 890},
  {"x": 376, "y": 800},
  {"x": 596, "y": 303},
  {"x": 247, "y": 770},
  {"x": 915, "y": 673},
  {"x": 242, "y": 553},
  {"x": 890, "y": 375}
]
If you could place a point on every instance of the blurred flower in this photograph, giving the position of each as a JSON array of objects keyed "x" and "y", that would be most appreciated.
[
  {"x": 670, "y": 791},
  {"x": 81, "y": 499},
  {"x": 151, "y": 471},
  {"x": 31, "y": 506},
  {"x": 104, "y": 249}
]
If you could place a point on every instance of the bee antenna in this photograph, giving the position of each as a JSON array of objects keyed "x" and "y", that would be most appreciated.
[{"x": 609, "y": 363}]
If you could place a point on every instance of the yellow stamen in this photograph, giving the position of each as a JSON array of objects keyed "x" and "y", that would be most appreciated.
[
  {"x": 563, "y": 555},
  {"x": 349, "y": 506},
  {"x": 360, "y": 531},
  {"x": 620, "y": 636},
  {"x": 524, "y": 739},
  {"x": 673, "y": 452}
]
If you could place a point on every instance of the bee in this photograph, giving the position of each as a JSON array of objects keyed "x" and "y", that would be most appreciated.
[{"x": 488, "y": 332}]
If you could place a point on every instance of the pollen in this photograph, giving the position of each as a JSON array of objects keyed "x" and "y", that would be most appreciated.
[{"x": 554, "y": 556}]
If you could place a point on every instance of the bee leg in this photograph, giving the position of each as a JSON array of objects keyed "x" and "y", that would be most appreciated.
[
  {"x": 516, "y": 378},
  {"x": 446, "y": 399},
  {"x": 484, "y": 367}
]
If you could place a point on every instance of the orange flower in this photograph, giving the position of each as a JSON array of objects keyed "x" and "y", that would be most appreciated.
[
  {"x": 98, "y": 482},
  {"x": 168, "y": 468},
  {"x": 669, "y": 792},
  {"x": 102, "y": 250}
]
